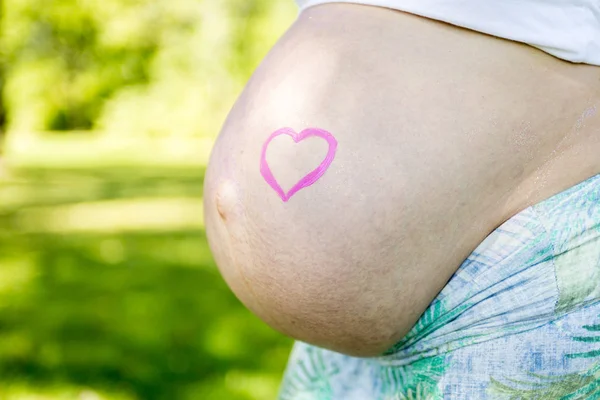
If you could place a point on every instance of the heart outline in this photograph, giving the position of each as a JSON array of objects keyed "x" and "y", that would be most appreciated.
[{"x": 308, "y": 179}]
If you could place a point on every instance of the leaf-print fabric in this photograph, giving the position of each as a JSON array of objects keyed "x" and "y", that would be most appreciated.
[{"x": 520, "y": 319}]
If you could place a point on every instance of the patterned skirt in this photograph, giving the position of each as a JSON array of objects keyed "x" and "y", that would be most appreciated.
[{"x": 520, "y": 319}]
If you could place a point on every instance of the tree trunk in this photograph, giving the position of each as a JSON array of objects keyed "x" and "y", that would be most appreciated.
[{"x": 3, "y": 172}]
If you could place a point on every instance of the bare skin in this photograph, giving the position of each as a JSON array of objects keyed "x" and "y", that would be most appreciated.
[{"x": 443, "y": 135}]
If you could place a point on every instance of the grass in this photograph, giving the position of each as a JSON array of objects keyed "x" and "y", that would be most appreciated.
[{"x": 108, "y": 291}]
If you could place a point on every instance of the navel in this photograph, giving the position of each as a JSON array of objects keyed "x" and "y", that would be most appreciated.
[{"x": 227, "y": 199}]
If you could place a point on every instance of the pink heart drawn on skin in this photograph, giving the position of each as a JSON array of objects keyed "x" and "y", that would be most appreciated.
[{"x": 309, "y": 178}]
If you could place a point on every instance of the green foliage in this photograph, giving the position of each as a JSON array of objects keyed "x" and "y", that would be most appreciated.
[
  {"x": 132, "y": 67},
  {"x": 107, "y": 286},
  {"x": 59, "y": 65},
  {"x": 127, "y": 307}
]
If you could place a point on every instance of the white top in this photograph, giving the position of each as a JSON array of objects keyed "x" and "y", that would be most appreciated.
[{"x": 567, "y": 29}]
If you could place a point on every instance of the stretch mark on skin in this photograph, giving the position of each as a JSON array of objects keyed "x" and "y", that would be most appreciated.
[{"x": 310, "y": 178}]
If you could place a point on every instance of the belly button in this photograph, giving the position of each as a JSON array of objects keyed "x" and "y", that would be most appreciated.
[{"x": 227, "y": 199}]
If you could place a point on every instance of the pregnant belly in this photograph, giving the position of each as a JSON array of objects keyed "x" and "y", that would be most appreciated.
[{"x": 440, "y": 135}]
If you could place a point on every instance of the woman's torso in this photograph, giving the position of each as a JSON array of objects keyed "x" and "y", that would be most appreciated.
[{"x": 443, "y": 134}]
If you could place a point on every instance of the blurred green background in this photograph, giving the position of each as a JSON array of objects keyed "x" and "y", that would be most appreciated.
[{"x": 108, "y": 113}]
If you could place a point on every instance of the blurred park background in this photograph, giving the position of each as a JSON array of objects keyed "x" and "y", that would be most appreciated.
[{"x": 108, "y": 112}]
